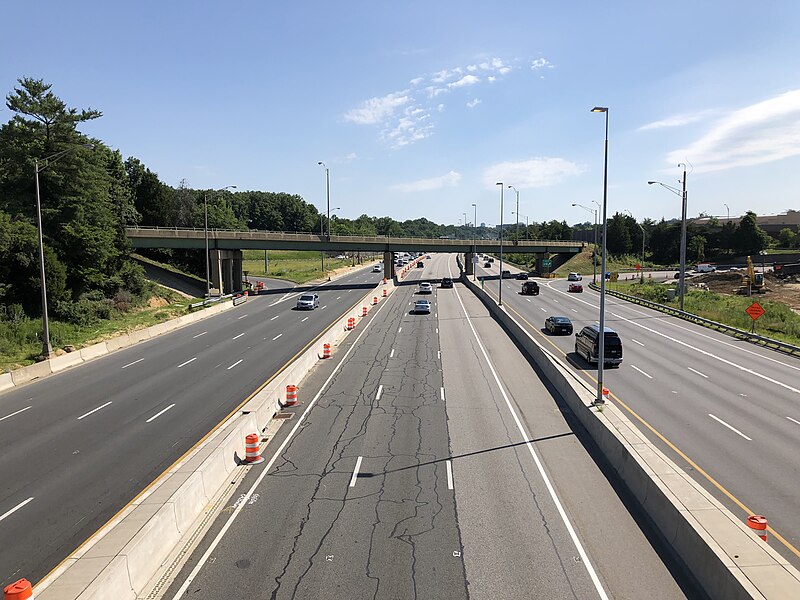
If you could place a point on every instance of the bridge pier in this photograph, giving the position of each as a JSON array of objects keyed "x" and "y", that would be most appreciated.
[
  {"x": 469, "y": 266},
  {"x": 388, "y": 265},
  {"x": 226, "y": 271},
  {"x": 540, "y": 257}
]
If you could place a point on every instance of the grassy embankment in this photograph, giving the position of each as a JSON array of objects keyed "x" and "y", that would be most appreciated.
[
  {"x": 582, "y": 263},
  {"x": 297, "y": 266}
]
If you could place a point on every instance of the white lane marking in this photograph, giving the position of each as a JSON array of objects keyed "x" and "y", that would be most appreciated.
[
  {"x": 238, "y": 336},
  {"x": 159, "y": 413},
  {"x": 26, "y": 408},
  {"x": 573, "y": 310},
  {"x": 637, "y": 342},
  {"x": 793, "y": 420},
  {"x": 554, "y": 300},
  {"x": 133, "y": 363},
  {"x": 15, "y": 509},
  {"x": 306, "y": 319},
  {"x": 242, "y": 317},
  {"x": 731, "y": 427},
  {"x": 277, "y": 336},
  {"x": 437, "y": 330},
  {"x": 551, "y": 490},
  {"x": 640, "y": 371},
  {"x": 401, "y": 329},
  {"x": 542, "y": 308},
  {"x": 234, "y": 364},
  {"x": 391, "y": 354},
  {"x": 449, "y": 475},
  {"x": 275, "y": 317},
  {"x": 698, "y": 372},
  {"x": 355, "y": 472},
  {"x": 528, "y": 299},
  {"x": 324, "y": 307},
  {"x": 380, "y": 391},
  {"x": 94, "y": 410},
  {"x": 199, "y": 334},
  {"x": 338, "y": 297},
  {"x": 438, "y": 354},
  {"x": 441, "y": 391}
]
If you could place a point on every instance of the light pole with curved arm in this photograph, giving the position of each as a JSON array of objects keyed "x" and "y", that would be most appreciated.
[
  {"x": 474, "y": 242},
  {"x": 516, "y": 213},
  {"x": 205, "y": 229},
  {"x": 500, "y": 300},
  {"x": 682, "y": 194},
  {"x": 327, "y": 193},
  {"x": 594, "y": 258},
  {"x": 601, "y": 345}
]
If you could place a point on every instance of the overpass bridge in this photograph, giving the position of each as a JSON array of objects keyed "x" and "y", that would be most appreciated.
[{"x": 226, "y": 247}]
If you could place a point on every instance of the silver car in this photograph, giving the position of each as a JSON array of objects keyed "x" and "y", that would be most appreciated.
[
  {"x": 422, "y": 306},
  {"x": 307, "y": 302}
]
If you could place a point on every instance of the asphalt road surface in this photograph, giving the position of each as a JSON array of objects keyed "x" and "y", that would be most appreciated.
[
  {"x": 78, "y": 446},
  {"x": 427, "y": 461},
  {"x": 726, "y": 411}
]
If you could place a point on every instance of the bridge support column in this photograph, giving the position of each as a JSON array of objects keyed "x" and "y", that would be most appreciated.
[
  {"x": 469, "y": 266},
  {"x": 540, "y": 258},
  {"x": 236, "y": 267},
  {"x": 226, "y": 271},
  {"x": 388, "y": 265},
  {"x": 216, "y": 272}
]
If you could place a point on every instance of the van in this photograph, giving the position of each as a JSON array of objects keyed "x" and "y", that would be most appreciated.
[
  {"x": 586, "y": 345},
  {"x": 705, "y": 268}
]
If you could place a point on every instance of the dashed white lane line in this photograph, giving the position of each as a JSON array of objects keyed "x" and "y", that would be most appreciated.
[
  {"x": 698, "y": 372},
  {"x": 242, "y": 317},
  {"x": 441, "y": 391},
  {"x": 238, "y": 336},
  {"x": 573, "y": 310},
  {"x": 159, "y": 413},
  {"x": 731, "y": 427},
  {"x": 642, "y": 372},
  {"x": 234, "y": 364},
  {"x": 8, "y": 513},
  {"x": 637, "y": 342},
  {"x": 306, "y": 319},
  {"x": 449, "y": 475},
  {"x": 542, "y": 308},
  {"x": 554, "y": 300},
  {"x": 790, "y": 418},
  {"x": 277, "y": 336},
  {"x": 399, "y": 330},
  {"x": 199, "y": 334},
  {"x": 528, "y": 299},
  {"x": 437, "y": 330},
  {"x": 324, "y": 307},
  {"x": 133, "y": 363},
  {"x": 391, "y": 354},
  {"x": 275, "y": 317},
  {"x": 338, "y": 297},
  {"x": 187, "y": 362},
  {"x": 355, "y": 472},
  {"x": 380, "y": 391},
  {"x": 94, "y": 410},
  {"x": 27, "y": 407},
  {"x": 439, "y": 354}
]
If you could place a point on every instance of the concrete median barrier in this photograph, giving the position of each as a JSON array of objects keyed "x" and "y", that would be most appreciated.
[
  {"x": 31, "y": 372},
  {"x": 94, "y": 351},
  {"x": 70, "y": 359},
  {"x": 6, "y": 382}
]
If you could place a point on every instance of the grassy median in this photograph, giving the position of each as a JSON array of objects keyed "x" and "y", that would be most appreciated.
[{"x": 298, "y": 266}]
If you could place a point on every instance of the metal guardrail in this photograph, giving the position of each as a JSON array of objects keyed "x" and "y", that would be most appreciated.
[{"x": 732, "y": 331}]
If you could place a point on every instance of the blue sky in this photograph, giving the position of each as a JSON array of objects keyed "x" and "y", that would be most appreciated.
[{"x": 418, "y": 108}]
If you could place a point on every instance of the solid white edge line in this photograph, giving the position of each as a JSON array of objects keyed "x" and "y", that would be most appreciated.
[
  {"x": 234, "y": 364},
  {"x": 793, "y": 420},
  {"x": 27, "y": 407},
  {"x": 698, "y": 372},
  {"x": 642, "y": 372},
  {"x": 159, "y": 413},
  {"x": 731, "y": 427},
  {"x": 95, "y": 409},
  {"x": 551, "y": 490},
  {"x": 380, "y": 391},
  {"x": 131, "y": 364},
  {"x": 355, "y": 472},
  {"x": 449, "y": 475},
  {"x": 15, "y": 509},
  {"x": 203, "y": 559},
  {"x": 199, "y": 334},
  {"x": 187, "y": 362}
]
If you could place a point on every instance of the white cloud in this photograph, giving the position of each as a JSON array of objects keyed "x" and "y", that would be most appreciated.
[
  {"x": 473, "y": 103},
  {"x": 675, "y": 121},
  {"x": 450, "y": 179},
  {"x": 350, "y": 157},
  {"x": 464, "y": 81},
  {"x": 491, "y": 79},
  {"x": 416, "y": 80},
  {"x": 763, "y": 132},
  {"x": 532, "y": 173},
  {"x": 376, "y": 110},
  {"x": 472, "y": 68},
  {"x": 540, "y": 63}
]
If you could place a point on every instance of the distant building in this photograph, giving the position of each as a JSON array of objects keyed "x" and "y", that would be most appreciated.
[{"x": 772, "y": 224}]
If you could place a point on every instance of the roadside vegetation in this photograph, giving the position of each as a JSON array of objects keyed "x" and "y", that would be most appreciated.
[{"x": 296, "y": 266}]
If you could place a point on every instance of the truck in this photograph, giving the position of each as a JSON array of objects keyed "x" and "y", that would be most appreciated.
[
  {"x": 782, "y": 271},
  {"x": 705, "y": 268},
  {"x": 530, "y": 288}
]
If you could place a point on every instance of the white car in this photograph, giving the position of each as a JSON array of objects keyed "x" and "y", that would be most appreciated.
[
  {"x": 422, "y": 306},
  {"x": 377, "y": 269},
  {"x": 308, "y": 302},
  {"x": 425, "y": 288},
  {"x": 574, "y": 277}
]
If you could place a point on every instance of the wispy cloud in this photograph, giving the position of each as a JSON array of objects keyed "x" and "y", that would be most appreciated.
[
  {"x": 464, "y": 81},
  {"x": 676, "y": 120},
  {"x": 763, "y": 132},
  {"x": 376, "y": 110},
  {"x": 473, "y": 103},
  {"x": 450, "y": 179},
  {"x": 532, "y": 173},
  {"x": 540, "y": 63}
]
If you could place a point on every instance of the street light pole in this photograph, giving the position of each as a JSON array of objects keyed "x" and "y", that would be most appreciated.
[
  {"x": 594, "y": 261},
  {"x": 327, "y": 194},
  {"x": 683, "y": 236},
  {"x": 601, "y": 351},
  {"x": 474, "y": 241},
  {"x": 47, "y": 349},
  {"x": 516, "y": 213},
  {"x": 500, "y": 301}
]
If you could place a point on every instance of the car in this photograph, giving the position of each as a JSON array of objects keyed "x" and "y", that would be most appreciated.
[
  {"x": 425, "y": 288},
  {"x": 574, "y": 277},
  {"x": 530, "y": 288},
  {"x": 506, "y": 274},
  {"x": 422, "y": 306},
  {"x": 428, "y": 256},
  {"x": 420, "y": 264},
  {"x": 308, "y": 301},
  {"x": 586, "y": 345},
  {"x": 487, "y": 265},
  {"x": 522, "y": 276},
  {"x": 377, "y": 269},
  {"x": 491, "y": 260},
  {"x": 575, "y": 287},
  {"x": 557, "y": 324},
  {"x": 447, "y": 282},
  {"x": 686, "y": 274}
]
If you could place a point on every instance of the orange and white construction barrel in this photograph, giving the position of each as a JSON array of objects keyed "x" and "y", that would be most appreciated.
[
  {"x": 385, "y": 293},
  {"x": 252, "y": 456},
  {"x": 363, "y": 311},
  {"x": 291, "y": 395},
  {"x": 326, "y": 350},
  {"x": 758, "y": 523},
  {"x": 19, "y": 590},
  {"x": 374, "y": 300}
]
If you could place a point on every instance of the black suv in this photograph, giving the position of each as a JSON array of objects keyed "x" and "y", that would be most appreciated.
[
  {"x": 586, "y": 345},
  {"x": 522, "y": 276},
  {"x": 447, "y": 282}
]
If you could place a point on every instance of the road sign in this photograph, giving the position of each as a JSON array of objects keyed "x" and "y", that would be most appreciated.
[
  {"x": 755, "y": 310},
  {"x": 546, "y": 263},
  {"x": 638, "y": 266}
]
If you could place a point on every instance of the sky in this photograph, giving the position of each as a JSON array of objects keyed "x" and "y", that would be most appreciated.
[{"x": 418, "y": 108}]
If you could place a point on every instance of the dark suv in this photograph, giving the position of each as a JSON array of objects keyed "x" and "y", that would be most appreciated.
[
  {"x": 447, "y": 282},
  {"x": 586, "y": 345}
]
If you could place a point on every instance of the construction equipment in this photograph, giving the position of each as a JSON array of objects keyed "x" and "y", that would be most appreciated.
[
  {"x": 783, "y": 271},
  {"x": 752, "y": 282}
]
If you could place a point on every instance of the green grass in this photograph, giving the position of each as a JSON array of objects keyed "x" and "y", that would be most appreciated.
[
  {"x": 297, "y": 266},
  {"x": 779, "y": 321}
]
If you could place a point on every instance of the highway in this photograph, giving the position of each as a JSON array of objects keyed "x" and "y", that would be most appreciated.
[
  {"x": 428, "y": 461},
  {"x": 76, "y": 447},
  {"x": 726, "y": 411}
]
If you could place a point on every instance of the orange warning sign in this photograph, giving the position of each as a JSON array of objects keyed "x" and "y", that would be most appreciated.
[{"x": 755, "y": 310}]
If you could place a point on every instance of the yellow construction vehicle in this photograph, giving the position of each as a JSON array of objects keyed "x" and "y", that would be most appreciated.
[{"x": 752, "y": 282}]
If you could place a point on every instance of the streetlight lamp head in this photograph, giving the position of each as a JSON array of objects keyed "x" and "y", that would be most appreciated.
[
  {"x": 600, "y": 109},
  {"x": 651, "y": 182},
  {"x": 320, "y": 163},
  {"x": 500, "y": 183}
]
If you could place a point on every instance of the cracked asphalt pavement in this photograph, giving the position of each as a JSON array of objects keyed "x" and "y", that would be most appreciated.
[{"x": 410, "y": 478}]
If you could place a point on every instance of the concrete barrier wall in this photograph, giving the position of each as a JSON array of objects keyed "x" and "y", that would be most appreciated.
[
  {"x": 122, "y": 558},
  {"x": 726, "y": 559}
]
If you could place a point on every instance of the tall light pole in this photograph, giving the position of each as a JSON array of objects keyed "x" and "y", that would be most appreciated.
[
  {"x": 516, "y": 213},
  {"x": 465, "y": 224},
  {"x": 500, "y": 301},
  {"x": 729, "y": 212},
  {"x": 205, "y": 230},
  {"x": 641, "y": 267},
  {"x": 594, "y": 262},
  {"x": 601, "y": 350},
  {"x": 327, "y": 194},
  {"x": 474, "y": 242},
  {"x": 683, "y": 196},
  {"x": 527, "y": 231},
  {"x": 47, "y": 349}
]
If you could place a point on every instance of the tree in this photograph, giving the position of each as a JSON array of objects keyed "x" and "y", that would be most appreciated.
[
  {"x": 618, "y": 239},
  {"x": 696, "y": 247},
  {"x": 787, "y": 238},
  {"x": 750, "y": 238}
]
